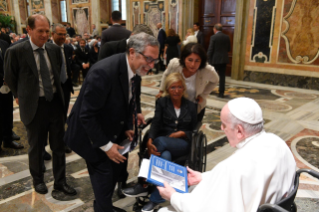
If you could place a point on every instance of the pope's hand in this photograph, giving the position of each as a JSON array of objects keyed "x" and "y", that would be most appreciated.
[
  {"x": 167, "y": 191},
  {"x": 114, "y": 154},
  {"x": 193, "y": 177}
]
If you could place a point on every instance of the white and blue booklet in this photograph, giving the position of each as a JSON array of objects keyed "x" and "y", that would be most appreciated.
[{"x": 156, "y": 170}]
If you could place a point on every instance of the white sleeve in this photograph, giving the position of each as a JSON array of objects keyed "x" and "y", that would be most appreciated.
[{"x": 106, "y": 147}]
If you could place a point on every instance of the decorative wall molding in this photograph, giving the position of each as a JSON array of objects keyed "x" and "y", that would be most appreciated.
[{"x": 136, "y": 13}]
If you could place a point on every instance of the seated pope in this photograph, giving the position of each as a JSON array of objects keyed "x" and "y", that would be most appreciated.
[{"x": 261, "y": 170}]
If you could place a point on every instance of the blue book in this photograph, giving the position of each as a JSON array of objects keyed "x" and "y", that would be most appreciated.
[{"x": 161, "y": 170}]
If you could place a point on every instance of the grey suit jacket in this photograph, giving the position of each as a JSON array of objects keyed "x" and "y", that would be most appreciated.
[
  {"x": 22, "y": 77},
  {"x": 218, "y": 49}
]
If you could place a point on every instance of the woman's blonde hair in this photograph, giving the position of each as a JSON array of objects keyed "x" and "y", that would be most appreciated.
[
  {"x": 190, "y": 30},
  {"x": 173, "y": 78}
]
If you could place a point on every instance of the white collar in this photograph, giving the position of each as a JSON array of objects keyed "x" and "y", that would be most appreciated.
[
  {"x": 116, "y": 24},
  {"x": 244, "y": 142},
  {"x": 130, "y": 73},
  {"x": 35, "y": 47}
]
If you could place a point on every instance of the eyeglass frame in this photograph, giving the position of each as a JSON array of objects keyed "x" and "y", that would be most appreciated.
[{"x": 149, "y": 59}]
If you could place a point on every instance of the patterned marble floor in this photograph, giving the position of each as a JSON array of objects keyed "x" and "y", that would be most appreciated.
[{"x": 293, "y": 114}]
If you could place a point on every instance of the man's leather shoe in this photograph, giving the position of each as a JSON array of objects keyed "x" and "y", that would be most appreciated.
[
  {"x": 13, "y": 145},
  {"x": 221, "y": 95},
  {"x": 46, "y": 156},
  {"x": 116, "y": 209},
  {"x": 120, "y": 187},
  {"x": 67, "y": 149},
  {"x": 136, "y": 191},
  {"x": 149, "y": 207},
  {"x": 41, "y": 188},
  {"x": 66, "y": 189},
  {"x": 15, "y": 136}
]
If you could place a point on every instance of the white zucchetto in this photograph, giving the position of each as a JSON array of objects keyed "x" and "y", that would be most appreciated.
[{"x": 246, "y": 110}]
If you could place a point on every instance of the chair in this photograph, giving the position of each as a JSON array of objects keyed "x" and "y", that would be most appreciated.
[{"x": 287, "y": 204}]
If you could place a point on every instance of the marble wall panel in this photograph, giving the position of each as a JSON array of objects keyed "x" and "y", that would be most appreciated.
[
  {"x": 173, "y": 15},
  {"x": 136, "y": 13},
  {"x": 23, "y": 11},
  {"x": 104, "y": 4},
  {"x": 262, "y": 37},
  {"x": 55, "y": 11},
  {"x": 81, "y": 20},
  {"x": 300, "y": 32},
  {"x": 154, "y": 13}
]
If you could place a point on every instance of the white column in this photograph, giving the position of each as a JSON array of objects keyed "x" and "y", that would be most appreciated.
[
  {"x": 16, "y": 14},
  {"x": 128, "y": 15},
  {"x": 48, "y": 10},
  {"x": 96, "y": 14}
]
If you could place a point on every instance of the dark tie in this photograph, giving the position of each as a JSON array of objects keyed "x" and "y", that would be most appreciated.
[
  {"x": 134, "y": 112},
  {"x": 45, "y": 75},
  {"x": 63, "y": 76}
]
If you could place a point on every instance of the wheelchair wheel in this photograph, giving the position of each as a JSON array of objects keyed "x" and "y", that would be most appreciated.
[{"x": 198, "y": 153}]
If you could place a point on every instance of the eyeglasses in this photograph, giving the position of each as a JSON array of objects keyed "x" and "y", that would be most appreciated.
[
  {"x": 149, "y": 59},
  {"x": 61, "y": 34},
  {"x": 179, "y": 88}
]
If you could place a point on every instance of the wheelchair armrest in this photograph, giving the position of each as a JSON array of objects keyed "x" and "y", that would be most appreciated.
[
  {"x": 309, "y": 171},
  {"x": 148, "y": 121},
  {"x": 198, "y": 126},
  {"x": 271, "y": 207}
]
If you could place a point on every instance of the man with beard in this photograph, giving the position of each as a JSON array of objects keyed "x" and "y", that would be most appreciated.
[{"x": 104, "y": 113}]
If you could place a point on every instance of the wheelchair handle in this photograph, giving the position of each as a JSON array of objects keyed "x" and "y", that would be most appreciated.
[{"x": 309, "y": 171}]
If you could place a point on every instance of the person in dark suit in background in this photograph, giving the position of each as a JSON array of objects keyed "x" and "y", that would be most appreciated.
[
  {"x": 32, "y": 72},
  {"x": 6, "y": 106},
  {"x": 5, "y": 37},
  {"x": 199, "y": 34},
  {"x": 59, "y": 37},
  {"x": 161, "y": 37},
  {"x": 82, "y": 59},
  {"x": 108, "y": 50},
  {"x": 116, "y": 31},
  {"x": 102, "y": 116},
  {"x": 219, "y": 46},
  {"x": 70, "y": 30}
]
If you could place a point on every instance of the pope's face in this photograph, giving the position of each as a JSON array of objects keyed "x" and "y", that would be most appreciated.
[{"x": 226, "y": 126}]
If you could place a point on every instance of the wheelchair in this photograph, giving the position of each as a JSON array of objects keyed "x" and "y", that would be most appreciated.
[
  {"x": 287, "y": 204},
  {"x": 196, "y": 159}
]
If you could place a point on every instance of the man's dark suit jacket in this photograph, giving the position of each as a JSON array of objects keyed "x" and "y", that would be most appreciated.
[
  {"x": 68, "y": 51},
  {"x": 161, "y": 38},
  {"x": 5, "y": 37},
  {"x": 21, "y": 75},
  {"x": 200, "y": 37},
  {"x": 218, "y": 49},
  {"x": 115, "y": 33},
  {"x": 70, "y": 31},
  {"x": 116, "y": 47},
  {"x": 165, "y": 121},
  {"x": 101, "y": 112},
  {"x": 20, "y": 41},
  {"x": 81, "y": 57},
  {"x": 3, "y": 46}
]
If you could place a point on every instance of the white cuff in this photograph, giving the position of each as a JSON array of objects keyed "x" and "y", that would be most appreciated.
[{"x": 107, "y": 146}]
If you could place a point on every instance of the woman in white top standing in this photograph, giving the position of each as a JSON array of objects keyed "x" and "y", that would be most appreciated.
[
  {"x": 200, "y": 77},
  {"x": 190, "y": 37}
]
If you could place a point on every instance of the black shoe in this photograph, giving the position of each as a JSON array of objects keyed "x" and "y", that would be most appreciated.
[
  {"x": 13, "y": 145},
  {"x": 136, "y": 191},
  {"x": 41, "y": 188},
  {"x": 44, "y": 169},
  {"x": 116, "y": 209},
  {"x": 221, "y": 95},
  {"x": 120, "y": 187},
  {"x": 67, "y": 149},
  {"x": 15, "y": 136},
  {"x": 149, "y": 207},
  {"x": 66, "y": 189},
  {"x": 46, "y": 156}
]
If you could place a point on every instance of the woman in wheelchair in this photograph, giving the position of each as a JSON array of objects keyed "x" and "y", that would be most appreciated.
[{"x": 171, "y": 131}]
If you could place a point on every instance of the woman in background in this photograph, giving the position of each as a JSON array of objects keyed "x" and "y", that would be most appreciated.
[
  {"x": 171, "y": 50},
  {"x": 94, "y": 51},
  {"x": 190, "y": 37}
]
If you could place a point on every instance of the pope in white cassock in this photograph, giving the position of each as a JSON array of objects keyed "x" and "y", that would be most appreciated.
[{"x": 261, "y": 170}]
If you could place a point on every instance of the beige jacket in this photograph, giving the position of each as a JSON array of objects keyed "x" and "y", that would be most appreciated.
[{"x": 206, "y": 80}]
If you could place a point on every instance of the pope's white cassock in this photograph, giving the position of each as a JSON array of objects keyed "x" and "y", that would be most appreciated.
[{"x": 261, "y": 171}]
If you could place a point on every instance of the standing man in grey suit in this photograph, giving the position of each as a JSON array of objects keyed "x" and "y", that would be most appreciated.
[
  {"x": 199, "y": 34},
  {"x": 217, "y": 54},
  {"x": 116, "y": 31},
  {"x": 32, "y": 71}
]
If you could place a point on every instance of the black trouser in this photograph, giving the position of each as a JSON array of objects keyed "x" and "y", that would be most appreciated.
[
  {"x": 75, "y": 72},
  {"x": 67, "y": 97},
  {"x": 103, "y": 175},
  {"x": 49, "y": 118},
  {"x": 6, "y": 117},
  {"x": 221, "y": 69},
  {"x": 123, "y": 173}
]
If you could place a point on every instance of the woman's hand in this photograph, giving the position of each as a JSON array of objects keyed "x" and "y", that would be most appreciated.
[
  {"x": 178, "y": 134},
  {"x": 152, "y": 150},
  {"x": 159, "y": 95},
  {"x": 199, "y": 99}
]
